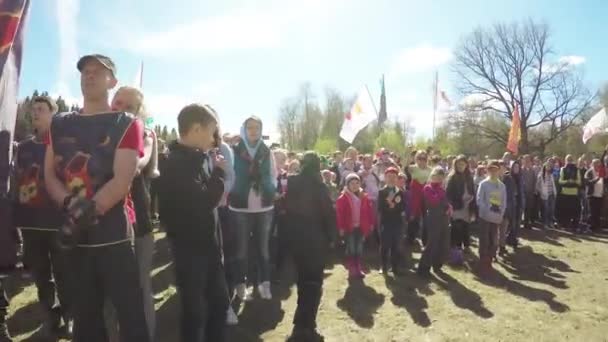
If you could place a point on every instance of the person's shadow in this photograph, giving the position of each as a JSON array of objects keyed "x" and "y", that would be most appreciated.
[
  {"x": 361, "y": 303},
  {"x": 462, "y": 296},
  {"x": 527, "y": 265},
  {"x": 408, "y": 291},
  {"x": 500, "y": 281}
]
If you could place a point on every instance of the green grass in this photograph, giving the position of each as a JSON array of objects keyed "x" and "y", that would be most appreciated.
[{"x": 555, "y": 288}]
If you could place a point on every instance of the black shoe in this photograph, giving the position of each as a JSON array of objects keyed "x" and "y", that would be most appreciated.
[
  {"x": 4, "y": 334},
  {"x": 437, "y": 269},
  {"x": 305, "y": 335},
  {"x": 423, "y": 272}
]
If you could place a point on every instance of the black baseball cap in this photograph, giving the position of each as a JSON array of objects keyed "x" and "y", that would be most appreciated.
[{"x": 104, "y": 60}]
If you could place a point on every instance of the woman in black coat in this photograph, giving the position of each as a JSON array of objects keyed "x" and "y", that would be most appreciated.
[{"x": 311, "y": 226}]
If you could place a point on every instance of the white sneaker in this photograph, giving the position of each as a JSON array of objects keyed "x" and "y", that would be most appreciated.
[
  {"x": 242, "y": 292},
  {"x": 264, "y": 289},
  {"x": 231, "y": 317}
]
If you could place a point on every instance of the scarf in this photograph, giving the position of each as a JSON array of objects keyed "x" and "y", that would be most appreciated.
[{"x": 252, "y": 149}]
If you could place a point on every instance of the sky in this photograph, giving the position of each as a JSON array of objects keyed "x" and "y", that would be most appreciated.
[{"x": 245, "y": 57}]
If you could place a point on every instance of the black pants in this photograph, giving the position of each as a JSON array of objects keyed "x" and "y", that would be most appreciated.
[
  {"x": 4, "y": 304},
  {"x": 595, "y": 207},
  {"x": 568, "y": 210},
  {"x": 460, "y": 235},
  {"x": 531, "y": 210},
  {"x": 390, "y": 237},
  {"x": 201, "y": 285},
  {"x": 413, "y": 229},
  {"x": 309, "y": 249},
  {"x": 108, "y": 272},
  {"x": 48, "y": 264}
]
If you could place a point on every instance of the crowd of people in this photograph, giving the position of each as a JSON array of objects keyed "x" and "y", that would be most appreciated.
[{"x": 89, "y": 185}]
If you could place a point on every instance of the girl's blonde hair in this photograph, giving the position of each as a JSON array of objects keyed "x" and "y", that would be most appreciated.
[{"x": 139, "y": 109}]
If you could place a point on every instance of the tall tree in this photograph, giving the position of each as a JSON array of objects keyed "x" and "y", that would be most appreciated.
[
  {"x": 509, "y": 64},
  {"x": 288, "y": 117}
]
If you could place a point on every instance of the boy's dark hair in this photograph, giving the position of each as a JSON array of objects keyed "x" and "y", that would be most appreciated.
[
  {"x": 195, "y": 114},
  {"x": 49, "y": 102}
]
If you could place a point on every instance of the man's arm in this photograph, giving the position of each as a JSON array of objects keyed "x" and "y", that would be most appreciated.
[
  {"x": 125, "y": 167},
  {"x": 56, "y": 189}
]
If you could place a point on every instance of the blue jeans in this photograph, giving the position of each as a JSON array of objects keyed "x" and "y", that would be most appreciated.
[
  {"x": 354, "y": 243},
  {"x": 259, "y": 225},
  {"x": 549, "y": 210}
]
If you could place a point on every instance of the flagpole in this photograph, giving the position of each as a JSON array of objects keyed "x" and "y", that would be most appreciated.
[
  {"x": 435, "y": 89},
  {"x": 371, "y": 98}
]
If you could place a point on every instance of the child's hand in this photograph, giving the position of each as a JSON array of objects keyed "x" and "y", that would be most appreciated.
[
  {"x": 450, "y": 211},
  {"x": 341, "y": 232}
]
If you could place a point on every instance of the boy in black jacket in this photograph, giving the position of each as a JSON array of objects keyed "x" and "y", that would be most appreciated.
[
  {"x": 188, "y": 194},
  {"x": 391, "y": 205}
]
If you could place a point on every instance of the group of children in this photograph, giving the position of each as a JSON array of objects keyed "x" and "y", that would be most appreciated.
[{"x": 439, "y": 206}]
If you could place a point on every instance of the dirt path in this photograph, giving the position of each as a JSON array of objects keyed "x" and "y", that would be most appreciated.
[{"x": 555, "y": 288}]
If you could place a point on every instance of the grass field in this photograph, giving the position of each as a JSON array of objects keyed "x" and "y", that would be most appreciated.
[{"x": 554, "y": 288}]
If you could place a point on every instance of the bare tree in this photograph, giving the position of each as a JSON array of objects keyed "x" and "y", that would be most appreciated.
[
  {"x": 515, "y": 64},
  {"x": 288, "y": 118}
]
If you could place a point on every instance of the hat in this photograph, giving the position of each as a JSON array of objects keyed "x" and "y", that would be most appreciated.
[
  {"x": 104, "y": 60},
  {"x": 391, "y": 169},
  {"x": 351, "y": 177}
]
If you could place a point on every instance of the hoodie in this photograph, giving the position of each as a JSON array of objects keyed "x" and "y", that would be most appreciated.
[
  {"x": 492, "y": 200},
  {"x": 188, "y": 197}
]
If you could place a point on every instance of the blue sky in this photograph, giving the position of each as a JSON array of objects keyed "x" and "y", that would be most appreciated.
[{"x": 245, "y": 57}]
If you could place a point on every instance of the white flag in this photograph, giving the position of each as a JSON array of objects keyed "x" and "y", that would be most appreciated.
[
  {"x": 441, "y": 102},
  {"x": 362, "y": 113},
  {"x": 596, "y": 125},
  {"x": 138, "y": 82}
]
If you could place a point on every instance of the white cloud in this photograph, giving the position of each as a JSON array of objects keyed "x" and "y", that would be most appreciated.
[
  {"x": 419, "y": 59},
  {"x": 564, "y": 63},
  {"x": 235, "y": 31},
  {"x": 243, "y": 29},
  {"x": 572, "y": 60},
  {"x": 66, "y": 13}
]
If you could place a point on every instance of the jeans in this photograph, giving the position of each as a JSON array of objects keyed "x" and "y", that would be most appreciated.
[
  {"x": 514, "y": 226},
  {"x": 549, "y": 210},
  {"x": 108, "y": 271},
  {"x": 259, "y": 225},
  {"x": 354, "y": 243},
  {"x": 201, "y": 284},
  {"x": 488, "y": 238}
]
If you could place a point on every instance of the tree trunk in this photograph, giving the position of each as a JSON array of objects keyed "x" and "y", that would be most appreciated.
[{"x": 524, "y": 144}]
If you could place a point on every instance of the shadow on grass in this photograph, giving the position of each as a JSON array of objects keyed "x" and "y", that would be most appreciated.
[
  {"x": 500, "y": 281},
  {"x": 361, "y": 303},
  {"x": 407, "y": 293},
  {"x": 462, "y": 296},
  {"x": 527, "y": 265}
]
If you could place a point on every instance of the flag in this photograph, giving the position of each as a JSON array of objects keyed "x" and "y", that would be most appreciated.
[
  {"x": 361, "y": 114},
  {"x": 382, "y": 116},
  {"x": 598, "y": 124},
  {"x": 441, "y": 101},
  {"x": 138, "y": 82},
  {"x": 515, "y": 132},
  {"x": 13, "y": 15}
]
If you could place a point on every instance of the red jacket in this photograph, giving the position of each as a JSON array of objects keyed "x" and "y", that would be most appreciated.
[{"x": 344, "y": 214}]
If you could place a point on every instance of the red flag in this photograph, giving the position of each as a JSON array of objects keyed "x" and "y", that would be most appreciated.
[
  {"x": 515, "y": 133},
  {"x": 13, "y": 15}
]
